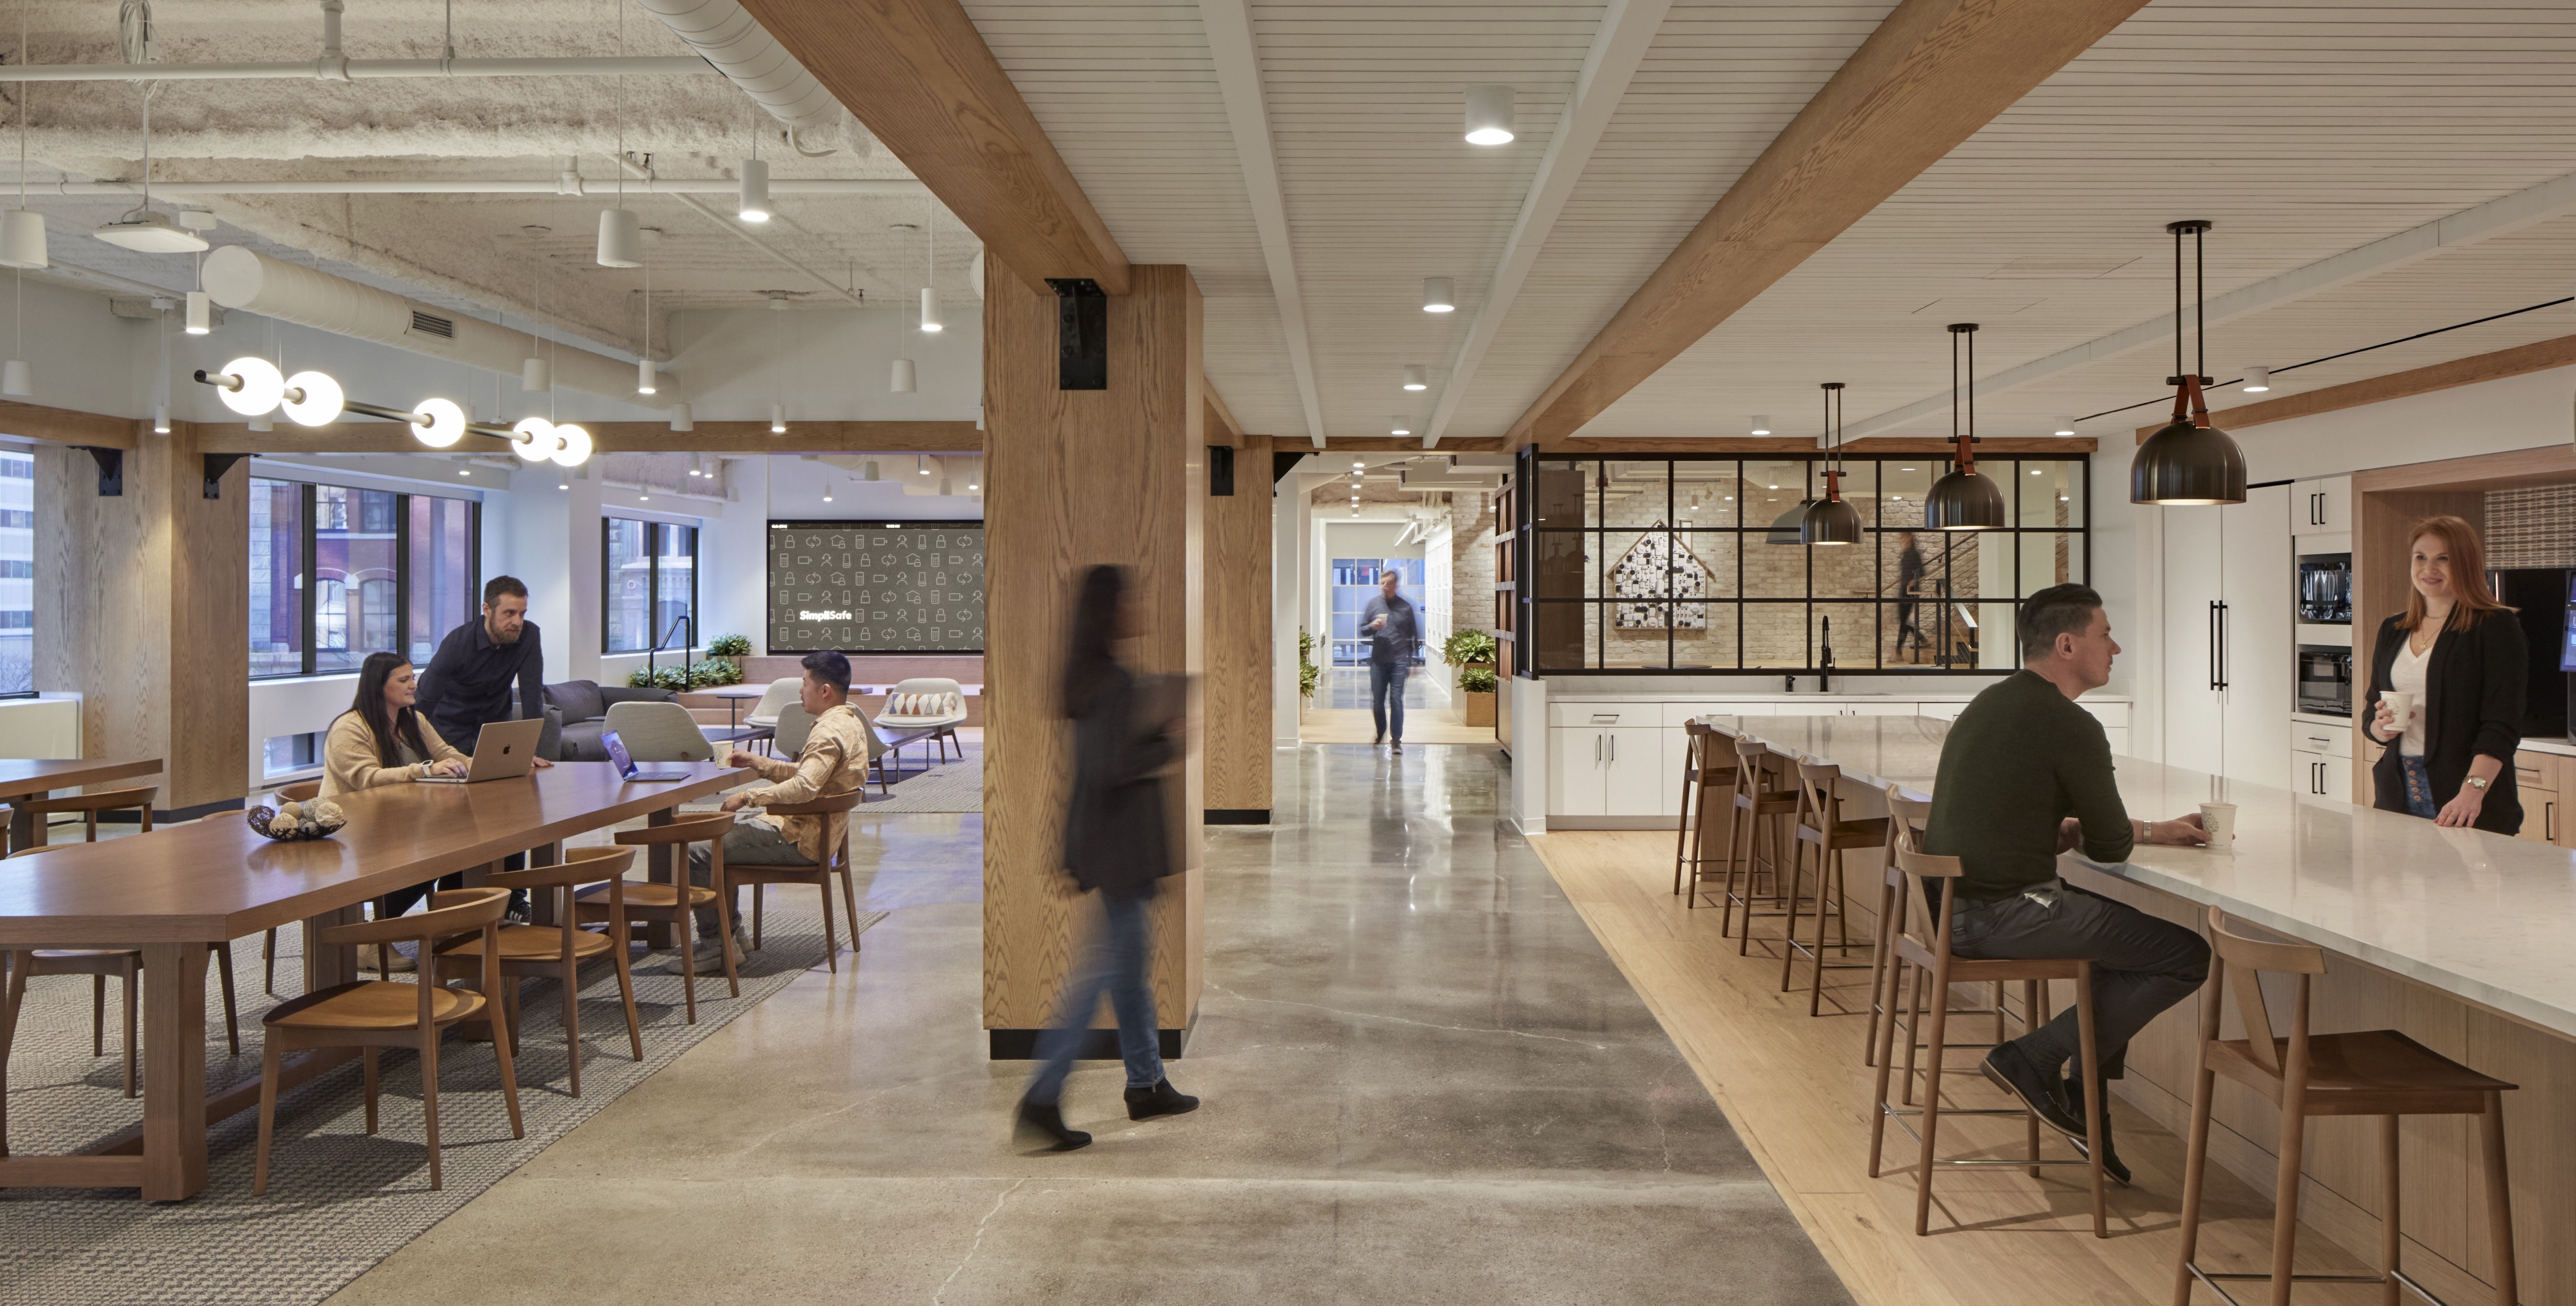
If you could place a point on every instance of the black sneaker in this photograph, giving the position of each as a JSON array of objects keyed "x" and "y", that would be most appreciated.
[
  {"x": 1160, "y": 1100},
  {"x": 2043, "y": 1093},
  {"x": 2111, "y": 1165},
  {"x": 1399, "y": 745},
  {"x": 1048, "y": 1118}
]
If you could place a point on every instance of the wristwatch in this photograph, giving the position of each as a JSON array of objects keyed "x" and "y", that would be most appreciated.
[{"x": 2477, "y": 782}]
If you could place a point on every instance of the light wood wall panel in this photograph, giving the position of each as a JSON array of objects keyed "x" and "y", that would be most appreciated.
[
  {"x": 1077, "y": 478},
  {"x": 1238, "y": 632}
]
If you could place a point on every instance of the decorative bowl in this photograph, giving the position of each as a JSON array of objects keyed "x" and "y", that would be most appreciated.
[{"x": 301, "y": 821}]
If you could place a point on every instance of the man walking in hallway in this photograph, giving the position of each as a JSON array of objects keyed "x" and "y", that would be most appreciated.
[{"x": 1393, "y": 631}]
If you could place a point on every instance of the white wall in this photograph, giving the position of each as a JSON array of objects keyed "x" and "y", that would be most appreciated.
[{"x": 828, "y": 363}]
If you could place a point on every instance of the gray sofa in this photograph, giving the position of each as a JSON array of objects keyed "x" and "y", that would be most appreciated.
[{"x": 576, "y": 713}]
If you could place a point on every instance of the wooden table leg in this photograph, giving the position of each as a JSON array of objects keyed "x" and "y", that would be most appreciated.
[
  {"x": 22, "y": 824},
  {"x": 325, "y": 966},
  {"x": 541, "y": 906},
  {"x": 657, "y": 862},
  {"x": 174, "y": 1071}
]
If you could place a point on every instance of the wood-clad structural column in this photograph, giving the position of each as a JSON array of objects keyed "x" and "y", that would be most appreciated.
[
  {"x": 1238, "y": 704},
  {"x": 142, "y": 606},
  {"x": 1075, "y": 478}
]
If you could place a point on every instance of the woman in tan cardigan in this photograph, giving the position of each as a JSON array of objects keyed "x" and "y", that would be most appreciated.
[{"x": 380, "y": 740}]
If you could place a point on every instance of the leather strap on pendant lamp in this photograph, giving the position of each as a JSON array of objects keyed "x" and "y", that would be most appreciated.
[
  {"x": 2188, "y": 462},
  {"x": 1830, "y": 520},
  {"x": 1963, "y": 500}
]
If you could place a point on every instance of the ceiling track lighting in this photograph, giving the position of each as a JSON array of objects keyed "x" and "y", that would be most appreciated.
[
  {"x": 252, "y": 387},
  {"x": 2257, "y": 380},
  {"x": 1417, "y": 377},
  {"x": 1489, "y": 115},
  {"x": 1963, "y": 500},
  {"x": 1829, "y": 520},
  {"x": 2188, "y": 462},
  {"x": 1439, "y": 295}
]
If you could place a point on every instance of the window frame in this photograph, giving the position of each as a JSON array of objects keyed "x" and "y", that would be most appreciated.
[
  {"x": 308, "y": 594},
  {"x": 653, "y": 538},
  {"x": 1591, "y": 535},
  {"x": 29, "y": 455}
]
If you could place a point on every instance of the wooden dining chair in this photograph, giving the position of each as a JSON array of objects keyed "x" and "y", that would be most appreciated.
[
  {"x": 89, "y": 805},
  {"x": 1822, "y": 826},
  {"x": 677, "y": 902},
  {"x": 835, "y": 810},
  {"x": 2376, "y": 1072},
  {"x": 558, "y": 949},
  {"x": 376, "y": 1014}
]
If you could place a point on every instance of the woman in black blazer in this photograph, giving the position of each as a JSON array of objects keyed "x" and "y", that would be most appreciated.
[{"x": 2455, "y": 765}]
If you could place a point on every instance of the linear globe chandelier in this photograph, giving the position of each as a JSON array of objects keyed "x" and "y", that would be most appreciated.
[{"x": 253, "y": 387}]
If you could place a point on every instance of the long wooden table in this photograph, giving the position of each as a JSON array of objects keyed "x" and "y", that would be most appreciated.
[
  {"x": 34, "y": 777},
  {"x": 178, "y": 891}
]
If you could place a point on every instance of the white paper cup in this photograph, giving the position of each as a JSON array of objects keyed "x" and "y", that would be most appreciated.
[
  {"x": 2219, "y": 821},
  {"x": 2400, "y": 706}
]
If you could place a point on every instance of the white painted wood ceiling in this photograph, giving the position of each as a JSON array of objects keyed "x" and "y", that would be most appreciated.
[{"x": 2302, "y": 128}]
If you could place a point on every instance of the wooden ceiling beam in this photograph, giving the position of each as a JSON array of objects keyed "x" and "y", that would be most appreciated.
[
  {"x": 2538, "y": 356},
  {"x": 1799, "y": 446},
  {"x": 1220, "y": 419},
  {"x": 919, "y": 75},
  {"x": 612, "y": 437},
  {"x": 1931, "y": 75},
  {"x": 67, "y": 426}
]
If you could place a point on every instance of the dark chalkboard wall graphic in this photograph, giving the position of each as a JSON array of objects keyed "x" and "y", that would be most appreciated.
[{"x": 909, "y": 587}]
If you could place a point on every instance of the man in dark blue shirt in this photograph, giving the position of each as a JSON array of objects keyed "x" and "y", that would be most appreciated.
[
  {"x": 466, "y": 686},
  {"x": 1393, "y": 632}
]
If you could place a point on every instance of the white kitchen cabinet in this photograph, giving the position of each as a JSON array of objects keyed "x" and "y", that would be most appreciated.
[
  {"x": 1610, "y": 771},
  {"x": 2322, "y": 506},
  {"x": 2321, "y": 775},
  {"x": 1576, "y": 784},
  {"x": 2229, "y": 665}
]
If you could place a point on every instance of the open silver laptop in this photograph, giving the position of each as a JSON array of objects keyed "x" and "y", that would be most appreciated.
[{"x": 505, "y": 750}]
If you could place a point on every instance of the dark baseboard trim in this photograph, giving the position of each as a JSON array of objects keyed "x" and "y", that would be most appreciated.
[
  {"x": 1097, "y": 1044},
  {"x": 1238, "y": 816}
]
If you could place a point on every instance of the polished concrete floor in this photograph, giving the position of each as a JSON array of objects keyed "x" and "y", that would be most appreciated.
[{"x": 1425, "y": 1083}]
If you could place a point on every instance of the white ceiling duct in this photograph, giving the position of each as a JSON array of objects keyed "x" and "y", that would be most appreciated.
[
  {"x": 752, "y": 59},
  {"x": 244, "y": 279}
]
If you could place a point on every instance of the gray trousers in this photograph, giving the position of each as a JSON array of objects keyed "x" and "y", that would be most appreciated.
[
  {"x": 2141, "y": 965},
  {"x": 752, "y": 843}
]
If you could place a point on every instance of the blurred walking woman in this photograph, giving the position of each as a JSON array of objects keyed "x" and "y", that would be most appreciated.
[
  {"x": 2456, "y": 657},
  {"x": 1118, "y": 842}
]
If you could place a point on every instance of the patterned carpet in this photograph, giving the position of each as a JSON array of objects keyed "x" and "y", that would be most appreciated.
[
  {"x": 338, "y": 1200},
  {"x": 956, "y": 787}
]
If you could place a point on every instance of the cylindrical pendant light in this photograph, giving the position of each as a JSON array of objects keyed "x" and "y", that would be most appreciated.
[
  {"x": 868, "y": 470},
  {"x": 754, "y": 205},
  {"x": 201, "y": 313},
  {"x": 621, "y": 239},
  {"x": 1963, "y": 500},
  {"x": 2188, "y": 462},
  {"x": 2257, "y": 380},
  {"x": 536, "y": 376},
  {"x": 1489, "y": 115},
  {"x": 778, "y": 419},
  {"x": 22, "y": 239},
  {"x": 1439, "y": 295},
  {"x": 930, "y": 310},
  {"x": 1829, "y": 520},
  {"x": 161, "y": 419},
  {"x": 921, "y": 464},
  {"x": 16, "y": 380},
  {"x": 1400, "y": 427},
  {"x": 644, "y": 378},
  {"x": 1760, "y": 425},
  {"x": 2064, "y": 426},
  {"x": 683, "y": 418},
  {"x": 1417, "y": 377},
  {"x": 904, "y": 377}
]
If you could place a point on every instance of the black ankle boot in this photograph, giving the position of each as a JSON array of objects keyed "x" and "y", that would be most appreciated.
[
  {"x": 1048, "y": 1118},
  {"x": 2111, "y": 1163},
  {"x": 1160, "y": 1100}
]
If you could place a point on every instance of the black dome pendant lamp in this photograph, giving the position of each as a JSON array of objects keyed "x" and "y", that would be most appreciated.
[
  {"x": 1963, "y": 500},
  {"x": 2189, "y": 462},
  {"x": 1829, "y": 520}
]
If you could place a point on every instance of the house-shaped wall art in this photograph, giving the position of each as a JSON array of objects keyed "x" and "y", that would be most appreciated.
[{"x": 1657, "y": 567}]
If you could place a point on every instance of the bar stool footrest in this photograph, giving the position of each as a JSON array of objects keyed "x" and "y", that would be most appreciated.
[{"x": 2210, "y": 1279}]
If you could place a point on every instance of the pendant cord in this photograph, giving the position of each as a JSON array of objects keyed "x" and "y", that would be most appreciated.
[
  {"x": 2177, "y": 235},
  {"x": 2199, "y": 306}
]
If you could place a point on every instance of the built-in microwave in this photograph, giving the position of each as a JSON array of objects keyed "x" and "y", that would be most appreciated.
[
  {"x": 2325, "y": 589},
  {"x": 2325, "y": 680}
]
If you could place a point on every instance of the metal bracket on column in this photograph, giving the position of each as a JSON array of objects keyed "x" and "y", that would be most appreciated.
[
  {"x": 1221, "y": 470},
  {"x": 1082, "y": 334},
  {"x": 111, "y": 470},
  {"x": 216, "y": 465}
]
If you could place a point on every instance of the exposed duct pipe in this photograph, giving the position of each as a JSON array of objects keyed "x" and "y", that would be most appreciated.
[
  {"x": 356, "y": 70},
  {"x": 571, "y": 184},
  {"x": 243, "y": 279},
  {"x": 751, "y": 58}
]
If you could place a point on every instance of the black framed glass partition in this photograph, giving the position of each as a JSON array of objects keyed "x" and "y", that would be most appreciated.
[
  {"x": 338, "y": 572},
  {"x": 1692, "y": 564}
]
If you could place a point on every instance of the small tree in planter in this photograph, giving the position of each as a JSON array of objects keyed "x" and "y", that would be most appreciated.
[
  {"x": 1468, "y": 648},
  {"x": 1478, "y": 683},
  {"x": 1308, "y": 674}
]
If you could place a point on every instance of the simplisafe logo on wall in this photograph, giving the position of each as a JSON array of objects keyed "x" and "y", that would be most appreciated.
[{"x": 901, "y": 587}]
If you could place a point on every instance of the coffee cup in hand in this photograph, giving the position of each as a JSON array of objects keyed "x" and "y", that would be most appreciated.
[
  {"x": 2400, "y": 709},
  {"x": 2218, "y": 821}
]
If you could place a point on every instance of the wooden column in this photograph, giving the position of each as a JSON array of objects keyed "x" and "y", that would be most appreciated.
[
  {"x": 1076, "y": 478},
  {"x": 142, "y": 607},
  {"x": 1238, "y": 637}
]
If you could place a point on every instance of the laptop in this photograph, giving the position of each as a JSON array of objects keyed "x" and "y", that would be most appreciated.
[
  {"x": 505, "y": 750},
  {"x": 626, "y": 764}
]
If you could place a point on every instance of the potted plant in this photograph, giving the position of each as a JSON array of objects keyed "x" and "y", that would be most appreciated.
[
  {"x": 675, "y": 679},
  {"x": 713, "y": 672},
  {"x": 734, "y": 647},
  {"x": 1308, "y": 674},
  {"x": 1468, "y": 648},
  {"x": 1478, "y": 685}
]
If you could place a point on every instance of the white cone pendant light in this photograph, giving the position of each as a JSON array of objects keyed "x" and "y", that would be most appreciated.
[
  {"x": 536, "y": 376},
  {"x": 1829, "y": 520},
  {"x": 2258, "y": 380},
  {"x": 1489, "y": 115},
  {"x": 22, "y": 239},
  {"x": 2188, "y": 462},
  {"x": 868, "y": 470},
  {"x": 621, "y": 239},
  {"x": 1963, "y": 500},
  {"x": 16, "y": 381},
  {"x": 683, "y": 418},
  {"x": 905, "y": 377},
  {"x": 754, "y": 203}
]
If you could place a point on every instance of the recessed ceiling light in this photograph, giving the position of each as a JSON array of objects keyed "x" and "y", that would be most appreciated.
[
  {"x": 1905, "y": 469},
  {"x": 2034, "y": 471}
]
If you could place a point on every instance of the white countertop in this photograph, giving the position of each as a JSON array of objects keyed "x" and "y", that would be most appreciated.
[
  {"x": 2562, "y": 747},
  {"x": 1775, "y": 696},
  {"x": 2484, "y": 917}
]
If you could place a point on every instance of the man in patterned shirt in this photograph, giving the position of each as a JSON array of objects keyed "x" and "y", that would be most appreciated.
[{"x": 833, "y": 761}]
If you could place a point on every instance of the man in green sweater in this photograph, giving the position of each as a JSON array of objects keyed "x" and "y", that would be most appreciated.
[{"x": 2026, "y": 775}]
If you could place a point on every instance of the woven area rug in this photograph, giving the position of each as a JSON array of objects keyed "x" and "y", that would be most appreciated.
[
  {"x": 338, "y": 1200},
  {"x": 956, "y": 787}
]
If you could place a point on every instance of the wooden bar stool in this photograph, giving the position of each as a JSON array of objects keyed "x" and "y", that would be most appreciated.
[
  {"x": 1891, "y": 894},
  {"x": 2376, "y": 1072},
  {"x": 1708, "y": 839},
  {"x": 374, "y": 1014},
  {"x": 835, "y": 810},
  {"x": 1762, "y": 799},
  {"x": 1694, "y": 760},
  {"x": 678, "y": 901},
  {"x": 1820, "y": 825},
  {"x": 558, "y": 949},
  {"x": 1926, "y": 947}
]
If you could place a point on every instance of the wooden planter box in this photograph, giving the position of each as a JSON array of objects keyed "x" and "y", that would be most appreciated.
[{"x": 1480, "y": 709}]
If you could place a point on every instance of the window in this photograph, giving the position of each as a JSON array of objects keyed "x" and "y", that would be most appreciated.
[
  {"x": 17, "y": 574},
  {"x": 337, "y": 573},
  {"x": 1694, "y": 564},
  {"x": 648, "y": 582}
]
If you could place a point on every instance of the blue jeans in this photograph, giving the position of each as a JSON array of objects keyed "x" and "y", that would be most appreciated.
[
  {"x": 1119, "y": 959},
  {"x": 2419, "y": 788},
  {"x": 1386, "y": 695}
]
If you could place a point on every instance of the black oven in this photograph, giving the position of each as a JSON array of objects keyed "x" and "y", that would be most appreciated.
[{"x": 2325, "y": 680}]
